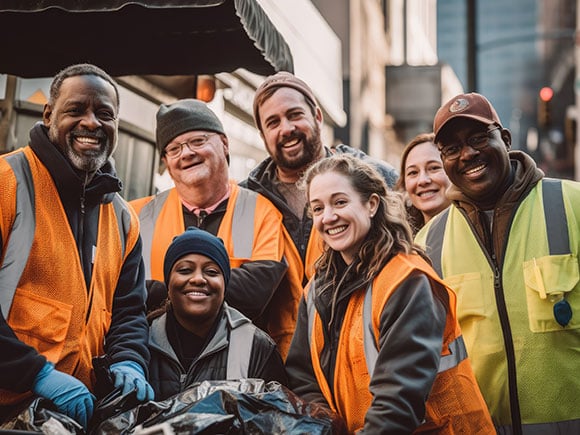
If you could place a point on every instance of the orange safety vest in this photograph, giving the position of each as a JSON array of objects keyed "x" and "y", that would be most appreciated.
[
  {"x": 44, "y": 297},
  {"x": 245, "y": 235},
  {"x": 455, "y": 404},
  {"x": 251, "y": 229}
]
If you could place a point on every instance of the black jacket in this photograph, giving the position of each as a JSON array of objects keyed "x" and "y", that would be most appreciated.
[{"x": 168, "y": 376}]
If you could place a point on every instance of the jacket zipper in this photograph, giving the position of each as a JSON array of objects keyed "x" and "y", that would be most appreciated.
[
  {"x": 501, "y": 306},
  {"x": 187, "y": 376},
  {"x": 509, "y": 349},
  {"x": 82, "y": 245}
]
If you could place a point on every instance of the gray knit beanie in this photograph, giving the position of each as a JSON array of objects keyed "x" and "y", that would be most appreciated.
[{"x": 182, "y": 116}]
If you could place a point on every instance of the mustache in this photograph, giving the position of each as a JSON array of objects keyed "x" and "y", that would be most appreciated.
[{"x": 297, "y": 135}]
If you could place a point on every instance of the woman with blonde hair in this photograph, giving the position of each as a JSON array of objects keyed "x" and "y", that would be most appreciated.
[{"x": 377, "y": 339}]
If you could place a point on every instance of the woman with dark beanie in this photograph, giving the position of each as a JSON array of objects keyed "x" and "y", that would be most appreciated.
[{"x": 196, "y": 336}]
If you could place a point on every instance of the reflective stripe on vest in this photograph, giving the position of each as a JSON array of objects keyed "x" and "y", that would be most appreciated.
[
  {"x": 457, "y": 349},
  {"x": 22, "y": 232},
  {"x": 434, "y": 241},
  {"x": 240, "y": 349},
  {"x": 310, "y": 310},
  {"x": 554, "y": 212},
  {"x": 242, "y": 224},
  {"x": 557, "y": 427},
  {"x": 148, "y": 217},
  {"x": 371, "y": 351},
  {"x": 123, "y": 221}
]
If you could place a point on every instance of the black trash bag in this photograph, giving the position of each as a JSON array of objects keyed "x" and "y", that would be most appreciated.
[
  {"x": 247, "y": 406},
  {"x": 112, "y": 405},
  {"x": 104, "y": 382},
  {"x": 41, "y": 415}
]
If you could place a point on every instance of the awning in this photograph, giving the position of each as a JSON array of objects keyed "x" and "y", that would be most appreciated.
[{"x": 39, "y": 37}]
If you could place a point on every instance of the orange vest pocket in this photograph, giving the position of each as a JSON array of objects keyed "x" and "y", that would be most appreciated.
[{"x": 40, "y": 322}]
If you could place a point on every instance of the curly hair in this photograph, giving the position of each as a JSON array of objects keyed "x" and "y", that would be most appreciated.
[{"x": 390, "y": 232}]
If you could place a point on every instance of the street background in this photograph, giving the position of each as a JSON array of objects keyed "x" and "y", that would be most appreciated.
[{"x": 379, "y": 68}]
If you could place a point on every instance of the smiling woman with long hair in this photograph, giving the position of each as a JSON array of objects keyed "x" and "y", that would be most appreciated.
[
  {"x": 377, "y": 339},
  {"x": 423, "y": 180}
]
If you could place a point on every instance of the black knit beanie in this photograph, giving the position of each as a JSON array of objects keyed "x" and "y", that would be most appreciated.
[
  {"x": 182, "y": 116},
  {"x": 196, "y": 241}
]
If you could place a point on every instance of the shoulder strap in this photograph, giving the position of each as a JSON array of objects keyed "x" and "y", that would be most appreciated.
[{"x": 22, "y": 232}]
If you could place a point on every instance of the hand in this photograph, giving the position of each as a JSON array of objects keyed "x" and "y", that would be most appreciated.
[
  {"x": 130, "y": 375},
  {"x": 70, "y": 395}
]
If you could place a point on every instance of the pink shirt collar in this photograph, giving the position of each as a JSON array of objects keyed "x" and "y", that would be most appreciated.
[{"x": 197, "y": 210}]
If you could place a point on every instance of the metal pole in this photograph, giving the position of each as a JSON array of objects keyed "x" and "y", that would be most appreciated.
[
  {"x": 472, "y": 45},
  {"x": 577, "y": 94}
]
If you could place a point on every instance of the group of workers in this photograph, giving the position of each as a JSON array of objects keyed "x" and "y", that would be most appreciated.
[{"x": 442, "y": 299}]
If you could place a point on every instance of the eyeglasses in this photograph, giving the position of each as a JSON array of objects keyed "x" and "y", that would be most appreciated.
[
  {"x": 175, "y": 150},
  {"x": 478, "y": 142}
]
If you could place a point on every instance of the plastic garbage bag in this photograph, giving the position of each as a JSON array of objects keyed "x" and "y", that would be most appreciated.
[
  {"x": 247, "y": 406},
  {"x": 40, "y": 415}
]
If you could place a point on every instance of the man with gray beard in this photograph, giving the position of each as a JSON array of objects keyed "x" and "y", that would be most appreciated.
[{"x": 71, "y": 270}]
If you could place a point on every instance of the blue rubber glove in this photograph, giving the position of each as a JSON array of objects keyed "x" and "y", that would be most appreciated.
[
  {"x": 70, "y": 395},
  {"x": 130, "y": 375}
]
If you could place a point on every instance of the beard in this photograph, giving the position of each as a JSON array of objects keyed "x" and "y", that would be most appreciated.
[
  {"x": 311, "y": 147},
  {"x": 89, "y": 160}
]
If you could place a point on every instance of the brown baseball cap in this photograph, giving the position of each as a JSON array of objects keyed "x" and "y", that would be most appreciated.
[
  {"x": 282, "y": 79},
  {"x": 472, "y": 105}
]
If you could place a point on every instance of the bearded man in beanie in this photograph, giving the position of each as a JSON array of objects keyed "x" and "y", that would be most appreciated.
[
  {"x": 194, "y": 147},
  {"x": 197, "y": 336},
  {"x": 509, "y": 247},
  {"x": 289, "y": 120}
]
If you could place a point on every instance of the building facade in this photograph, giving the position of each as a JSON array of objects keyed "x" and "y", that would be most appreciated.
[{"x": 315, "y": 51}]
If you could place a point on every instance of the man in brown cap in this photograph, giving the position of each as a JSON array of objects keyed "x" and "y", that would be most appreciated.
[
  {"x": 195, "y": 148},
  {"x": 509, "y": 246},
  {"x": 289, "y": 119}
]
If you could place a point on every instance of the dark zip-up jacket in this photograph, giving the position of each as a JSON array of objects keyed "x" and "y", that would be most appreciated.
[{"x": 168, "y": 376}]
